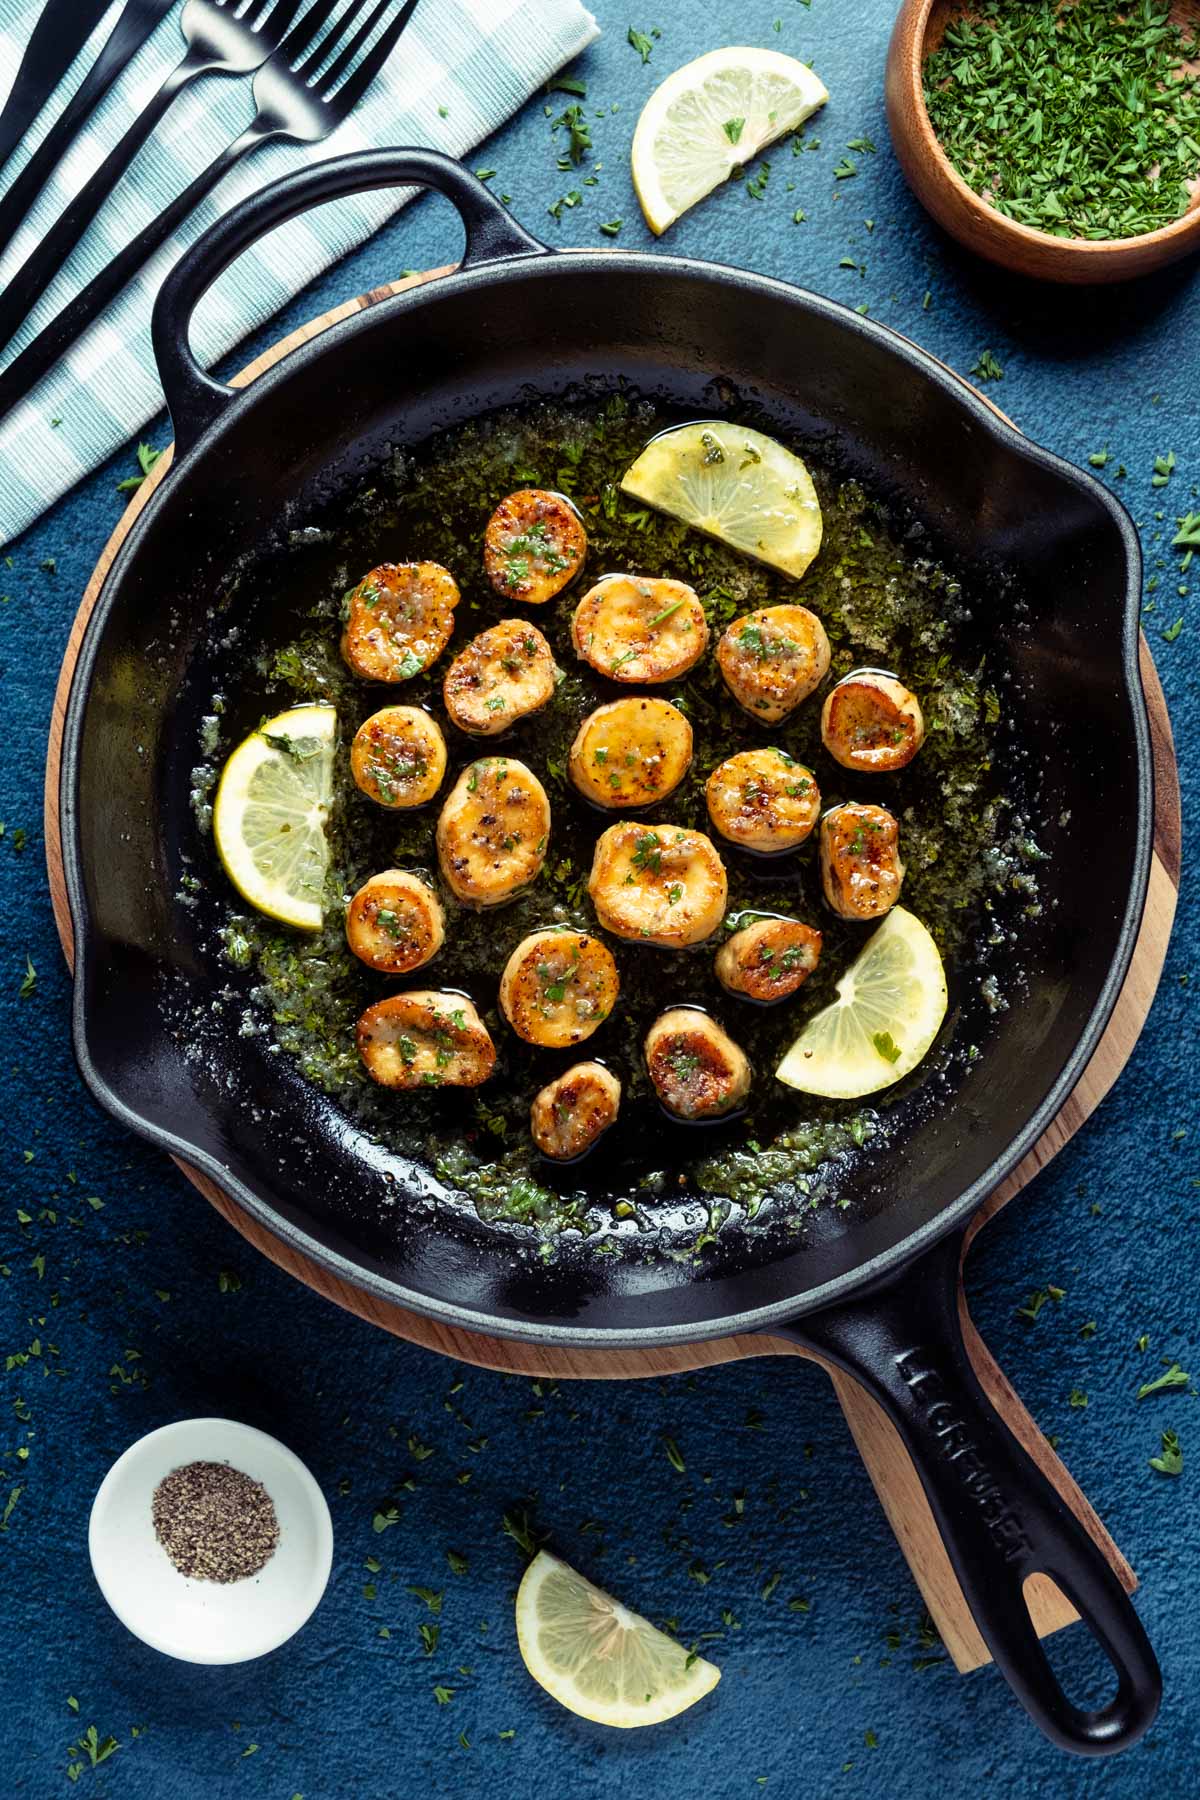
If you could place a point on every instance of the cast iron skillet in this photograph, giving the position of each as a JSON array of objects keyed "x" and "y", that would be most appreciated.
[{"x": 874, "y": 1288}]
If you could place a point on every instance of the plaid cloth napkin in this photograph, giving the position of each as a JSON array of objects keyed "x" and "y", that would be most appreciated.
[{"x": 460, "y": 69}]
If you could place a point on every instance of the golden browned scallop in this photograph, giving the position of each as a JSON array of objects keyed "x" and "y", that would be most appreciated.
[
  {"x": 493, "y": 831},
  {"x": 398, "y": 756},
  {"x": 640, "y": 628},
  {"x": 763, "y": 799},
  {"x": 534, "y": 546},
  {"x": 504, "y": 674},
  {"x": 400, "y": 620},
  {"x": 425, "y": 1039},
  {"x": 772, "y": 659},
  {"x": 395, "y": 922},
  {"x": 872, "y": 722},
  {"x": 861, "y": 870},
  {"x": 631, "y": 752},
  {"x": 557, "y": 987},
  {"x": 569, "y": 1114},
  {"x": 658, "y": 884},
  {"x": 697, "y": 1070},
  {"x": 769, "y": 959}
]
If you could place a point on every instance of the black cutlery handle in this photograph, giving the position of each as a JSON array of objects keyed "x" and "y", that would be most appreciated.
[
  {"x": 999, "y": 1517},
  {"x": 194, "y": 398},
  {"x": 126, "y": 38},
  {"x": 60, "y": 33},
  {"x": 38, "y": 270},
  {"x": 39, "y": 357}
]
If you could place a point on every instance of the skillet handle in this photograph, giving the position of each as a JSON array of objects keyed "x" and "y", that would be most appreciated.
[
  {"x": 195, "y": 399},
  {"x": 1000, "y": 1519}
]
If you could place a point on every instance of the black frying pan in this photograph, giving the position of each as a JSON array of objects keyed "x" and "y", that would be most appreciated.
[{"x": 872, "y": 1286}]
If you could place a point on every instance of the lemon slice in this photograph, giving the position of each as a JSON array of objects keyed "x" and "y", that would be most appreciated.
[
  {"x": 709, "y": 118},
  {"x": 735, "y": 485},
  {"x": 270, "y": 812},
  {"x": 890, "y": 1005},
  {"x": 597, "y": 1658}
]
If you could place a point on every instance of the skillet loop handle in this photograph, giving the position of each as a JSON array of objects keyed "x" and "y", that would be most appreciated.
[
  {"x": 195, "y": 399},
  {"x": 1000, "y": 1519}
]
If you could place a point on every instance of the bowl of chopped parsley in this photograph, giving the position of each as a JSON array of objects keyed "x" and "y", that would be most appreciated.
[{"x": 1060, "y": 138}]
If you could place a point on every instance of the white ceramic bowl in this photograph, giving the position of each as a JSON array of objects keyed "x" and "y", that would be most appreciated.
[{"x": 208, "y": 1621}]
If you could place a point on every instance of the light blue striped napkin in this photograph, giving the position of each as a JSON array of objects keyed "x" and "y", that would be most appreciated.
[{"x": 460, "y": 69}]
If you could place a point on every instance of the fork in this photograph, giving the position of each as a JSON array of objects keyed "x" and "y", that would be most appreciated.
[
  {"x": 300, "y": 96},
  {"x": 223, "y": 37}
]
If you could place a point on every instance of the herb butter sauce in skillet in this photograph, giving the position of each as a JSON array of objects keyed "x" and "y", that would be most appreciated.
[{"x": 967, "y": 846}]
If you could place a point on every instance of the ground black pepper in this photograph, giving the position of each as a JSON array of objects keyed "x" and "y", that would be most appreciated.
[{"x": 214, "y": 1523}]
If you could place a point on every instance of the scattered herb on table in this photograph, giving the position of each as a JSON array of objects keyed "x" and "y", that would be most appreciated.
[
  {"x": 638, "y": 41},
  {"x": 1082, "y": 120},
  {"x": 1174, "y": 1377},
  {"x": 1038, "y": 1298},
  {"x": 987, "y": 368},
  {"x": 1171, "y": 1460},
  {"x": 147, "y": 456},
  {"x": 579, "y": 135}
]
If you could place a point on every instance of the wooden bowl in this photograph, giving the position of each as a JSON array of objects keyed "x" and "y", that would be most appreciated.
[{"x": 941, "y": 190}]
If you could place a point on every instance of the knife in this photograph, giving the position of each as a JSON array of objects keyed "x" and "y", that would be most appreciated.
[
  {"x": 130, "y": 32},
  {"x": 63, "y": 28}
]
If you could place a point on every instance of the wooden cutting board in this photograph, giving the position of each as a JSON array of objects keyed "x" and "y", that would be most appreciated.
[{"x": 888, "y": 1464}]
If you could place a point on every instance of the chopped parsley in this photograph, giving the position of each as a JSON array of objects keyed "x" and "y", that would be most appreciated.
[
  {"x": 1082, "y": 120},
  {"x": 647, "y": 853}
]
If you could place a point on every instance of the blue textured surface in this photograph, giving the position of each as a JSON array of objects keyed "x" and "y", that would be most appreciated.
[{"x": 344, "y": 1710}]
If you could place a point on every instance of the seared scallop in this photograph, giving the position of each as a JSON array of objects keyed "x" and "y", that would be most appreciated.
[
  {"x": 557, "y": 987},
  {"x": 872, "y": 722},
  {"x": 769, "y": 959},
  {"x": 570, "y": 1113},
  {"x": 635, "y": 628},
  {"x": 533, "y": 546},
  {"x": 763, "y": 799},
  {"x": 772, "y": 659},
  {"x": 697, "y": 1070},
  {"x": 395, "y": 922},
  {"x": 503, "y": 674},
  {"x": 493, "y": 831},
  {"x": 658, "y": 884},
  {"x": 425, "y": 1039},
  {"x": 861, "y": 870},
  {"x": 398, "y": 756},
  {"x": 631, "y": 752},
  {"x": 400, "y": 620}
]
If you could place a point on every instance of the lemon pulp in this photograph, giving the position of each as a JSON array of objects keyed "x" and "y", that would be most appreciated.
[
  {"x": 598, "y": 1659},
  {"x": 737, "y": 485},
  {"x": 890, "y": 1006},
  {"x": 711, "y": 117},
  {"x": 270, "y": 812}
]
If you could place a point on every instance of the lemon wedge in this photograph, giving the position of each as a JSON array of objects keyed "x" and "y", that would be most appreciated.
[
  {"x": 709, "y": 118},
  {"x": 598, "y": 1659},
  {"x": 890, "y": 1006},
  {"x": 270, "y": 812},
  {"x": 733, "y": 484}
]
